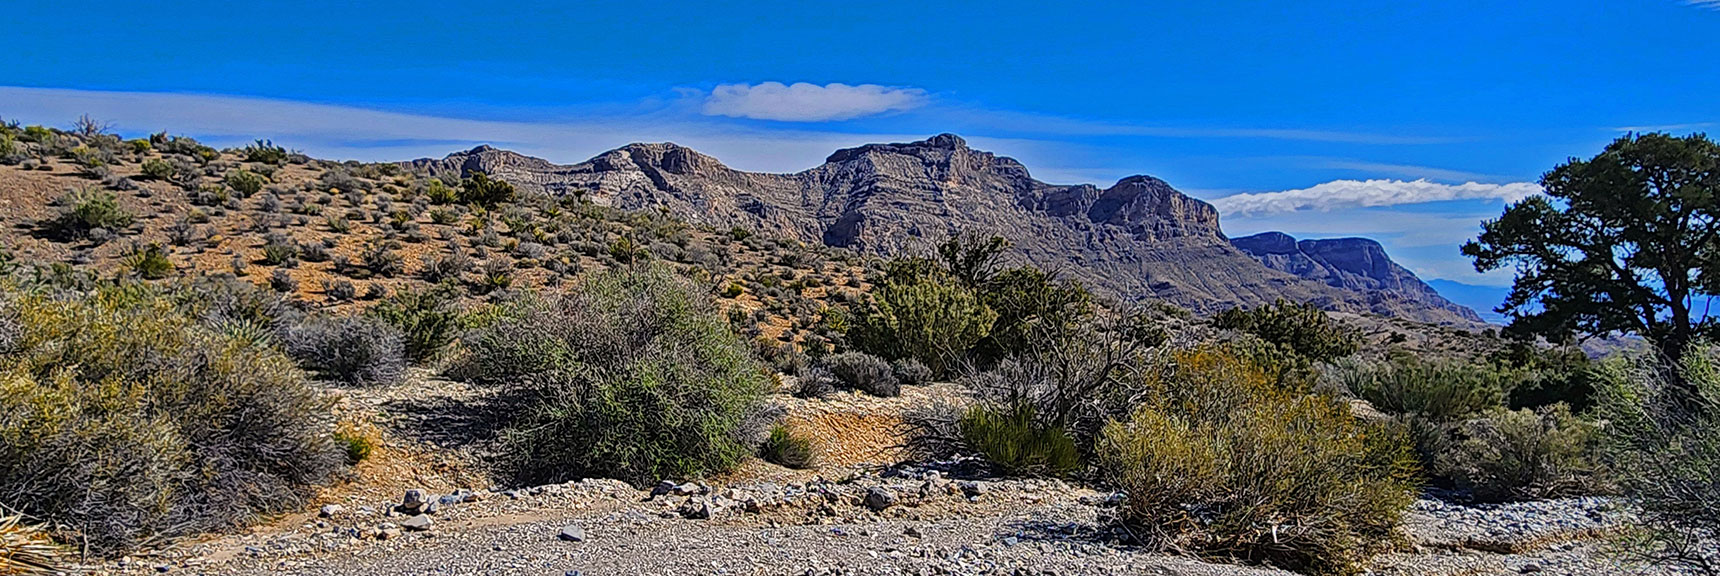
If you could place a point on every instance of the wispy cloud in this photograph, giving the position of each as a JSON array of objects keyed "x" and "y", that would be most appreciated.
[
  {"x": 803, "y": 102},
  {"x": 1406, "y": 170},
  {"x": 1686, "y": 127},
  {"x": 1340, "y": 194},
  {"x": 1709, "y": 4}
]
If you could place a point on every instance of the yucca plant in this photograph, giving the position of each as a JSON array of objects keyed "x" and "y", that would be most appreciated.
[{"x": 26, "y": 550}]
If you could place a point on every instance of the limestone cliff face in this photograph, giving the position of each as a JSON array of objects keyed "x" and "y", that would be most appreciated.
[
  {"x": 1354, "y": 264},
  {"x": 1137, "y": 239}
]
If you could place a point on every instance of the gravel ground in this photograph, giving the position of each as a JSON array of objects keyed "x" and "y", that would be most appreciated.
[
  {"x": 904, "y": 521},
  {"x": 915, "y": 524}
]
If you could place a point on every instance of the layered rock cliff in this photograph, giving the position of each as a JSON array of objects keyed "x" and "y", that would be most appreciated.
[
  {"x": 1357, "y": 265},
  {"x": 1137, "y": 239}
]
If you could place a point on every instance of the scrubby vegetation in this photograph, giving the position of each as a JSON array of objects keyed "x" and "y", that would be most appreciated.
[
  {"x": 354, "y": 350},
  {"x": 1219, "y": 459},
  {"x": 963, "y": 306},
  {"x": 629, "y": 345},
  {"x": 785, "y": 448},
  {"x": 127, "y": 417},
  {"x": 1467, "y": 436},
  {"x": 634, "y": 375},
  {"x": 1663, "y": 447}
]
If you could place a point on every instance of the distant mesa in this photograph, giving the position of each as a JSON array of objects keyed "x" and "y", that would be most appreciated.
[
  {"x": 1353, "y": 264},
  {"x": 1137, "y": 239}
]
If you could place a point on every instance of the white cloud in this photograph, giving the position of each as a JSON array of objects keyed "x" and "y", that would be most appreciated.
[
  {"x": 803, "y": 102},
  {"x": 1709, "y": 4},
  {"x": 1340, "y": 194}
]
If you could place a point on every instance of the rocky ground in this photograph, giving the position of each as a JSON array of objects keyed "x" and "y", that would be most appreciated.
[
  {"x": 900, "y": 521},
  {"x": 412, "y": 510}
]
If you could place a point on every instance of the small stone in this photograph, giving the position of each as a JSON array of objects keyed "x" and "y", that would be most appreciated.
[
  {"x": 913, "y": 532},
  {"x": 329, "y": 510},
  {"x": 880, "y": 498},
  {"x": 1529, "y": 569},
  {"x": 664, "y": 487},
  {"x": 688, "y": 489},
  {"x": 413, "y": 501},
  {"x": 417, "y": 523},
  {"x": 432, "y": 507},
  {"x": 974, "y": 488},
  {"x": 696, "y": 509},
  {"x": 572, "y": 534}
]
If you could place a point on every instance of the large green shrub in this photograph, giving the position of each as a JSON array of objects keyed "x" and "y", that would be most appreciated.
[
  {"x": 1524, "y": 455},
  {"x": 1220, "y": 460},
  {"x": 1300, "y": 327},
  {"x": 1442, "y": 391},
  {"x": 428, "y": 319},
  {"x": 484, "y": 191},
  {"x": 926, "y": 317},
  {"x": 1663, "y": 449},
  {"x": 634, "y": 375},
  {"x": 128, "y": 418},
  {"x": 83, "y": 211}
]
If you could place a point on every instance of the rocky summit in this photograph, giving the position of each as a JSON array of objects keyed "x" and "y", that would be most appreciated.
[
  {"x": 1135, "y": 240},
  {"x": 1354, "y": 264}
]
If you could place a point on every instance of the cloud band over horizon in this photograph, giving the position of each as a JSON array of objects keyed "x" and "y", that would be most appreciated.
[{"x": 1345, "y": 194}]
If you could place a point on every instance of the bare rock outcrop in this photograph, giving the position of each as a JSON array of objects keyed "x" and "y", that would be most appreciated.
[{"x": 1137, "y": 239}]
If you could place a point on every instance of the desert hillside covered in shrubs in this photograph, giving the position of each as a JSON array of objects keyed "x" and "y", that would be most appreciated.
[{"x": 176, "y": 322}]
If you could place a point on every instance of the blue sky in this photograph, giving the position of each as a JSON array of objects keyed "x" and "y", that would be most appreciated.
[{"x": 1317, "y": 119}]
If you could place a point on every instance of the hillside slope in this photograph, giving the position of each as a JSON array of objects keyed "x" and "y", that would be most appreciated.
[{"x": 1137, "y": 239}]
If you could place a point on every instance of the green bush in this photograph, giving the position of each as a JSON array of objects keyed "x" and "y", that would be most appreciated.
[
  {"x": 1013, "y": 440},
  {"x": 265, "y": 152},
  {"x": 246, "y": 182},
  {"x": 1663, "y": 451},
  {"x": 864, "y": 372},
  {"x": 128, "y": 418},
  {"x": 1443, "y": 391},
  {"x": 1524, "y": 455},
  {"x": 634, "y": 375},
  {"x": 1302, "y": 328},
  {"x": 787, "y": 449},
  {"x": 357, "y": 447},
  {"x": 280, "y": 250},
  {"x": 1220, "y": 460},
  {"x": 149, "y": 262},
  {"x": 354, "y": 350},
  {"x": 428, "y": 319},
  {"x": 85, "y": 210},
  {"x": 1029, "y": 303},
  {"x": 480, "y": 189},
  {"x": 440, "y": 193},
  {"x": 927, "y": 318},
  {"x": 158, "y": 169}
]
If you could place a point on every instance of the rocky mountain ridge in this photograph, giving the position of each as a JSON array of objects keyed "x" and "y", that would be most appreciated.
[
  {"x": 1137, "y": 239},
  {"x": 1354, "y": 264}
]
